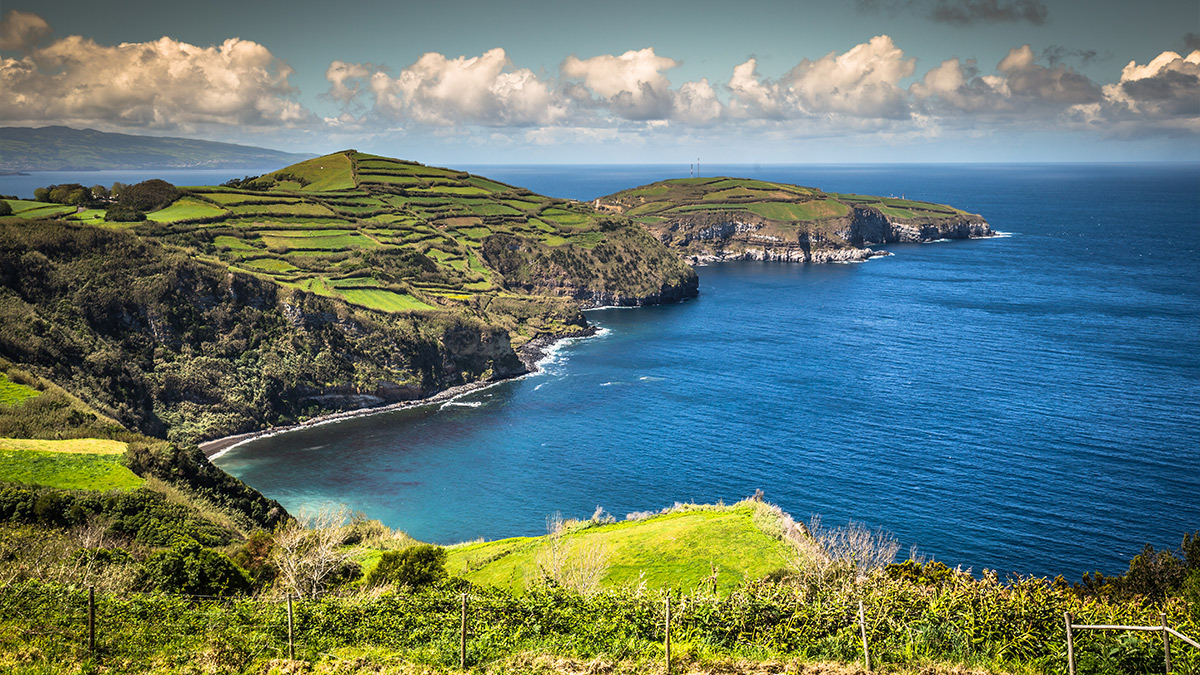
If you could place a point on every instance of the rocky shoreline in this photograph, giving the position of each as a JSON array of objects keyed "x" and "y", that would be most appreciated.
[{"x": 530, "y": 354}]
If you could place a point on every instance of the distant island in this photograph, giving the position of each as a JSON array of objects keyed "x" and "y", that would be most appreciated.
[{"x": 60, "y": 148}]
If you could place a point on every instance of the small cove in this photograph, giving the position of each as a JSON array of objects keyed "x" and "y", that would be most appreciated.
[{"x": 1024, "y": 403}]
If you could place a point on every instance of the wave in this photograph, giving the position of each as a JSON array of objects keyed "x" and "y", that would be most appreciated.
[{"x": 462, "y": 404}]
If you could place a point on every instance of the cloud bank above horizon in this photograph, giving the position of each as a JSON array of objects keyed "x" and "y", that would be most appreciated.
[{"x": 239, "y": 90}]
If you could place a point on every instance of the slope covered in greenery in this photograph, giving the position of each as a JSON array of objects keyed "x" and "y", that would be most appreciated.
[
  {"x": 721, "y": 217},
  {"x": 689, "y": 547},
  {"x": 340, "y": 282}
]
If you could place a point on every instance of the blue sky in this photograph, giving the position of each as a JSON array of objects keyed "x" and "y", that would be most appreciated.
[{"x": 619, "y": 81}]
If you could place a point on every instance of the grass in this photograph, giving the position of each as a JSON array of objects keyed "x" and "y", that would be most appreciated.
[
  {"x": 336, "y": 242},
  {"x": 35, "y": 210},
  {"x": 382, "y": 300},
  {"x": 677, "y": 550},
  {"x": 297, "y": 209},
  {"x": 12, "y": 393},
  {"x": 331, "y": 172},
  {"x": 80, "y": 464},
  {"x": 186, "y": 208}
]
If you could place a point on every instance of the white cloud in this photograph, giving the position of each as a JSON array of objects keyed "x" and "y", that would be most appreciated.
[
  {"x": 440, "y": 91},
  {"x": 165, "y": 84},
  {"x": 1021, "y": 90},
  {"x": 863, "y": 82},
  {"x": 632, "y": 85},
  {"x": 20, "y": 31},
  {"x": 696, "y": 104},
  {"x": 1166, "y": 87}
]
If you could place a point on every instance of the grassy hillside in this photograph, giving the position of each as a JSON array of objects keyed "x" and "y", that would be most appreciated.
[
  {"x": 676, "y": 550},
  {"x": 704, "y": 216},
  {"x": 77, "y": 464},
  {"x": 63, "y": 148},
  {"x": 396, "y": 236},
  {"x": 344, "y": 281}
]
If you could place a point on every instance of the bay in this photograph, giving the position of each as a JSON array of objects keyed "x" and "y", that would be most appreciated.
[{"x": 1025, "y": 403}]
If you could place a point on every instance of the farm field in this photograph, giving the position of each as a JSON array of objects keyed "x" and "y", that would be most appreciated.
[
  {"x": 678, "y": 550},
  {"x": 78, "y": 464},
  {"x": 389, "y": 235}
]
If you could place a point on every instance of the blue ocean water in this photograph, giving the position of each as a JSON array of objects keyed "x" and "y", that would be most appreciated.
[
  {"x": 1026, "y": 403},
  {"x": 22, "y": 185}
]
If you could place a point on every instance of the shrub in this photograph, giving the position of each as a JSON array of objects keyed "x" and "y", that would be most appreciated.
[
  {"x": 120, "y": 213},
  {"x": 190, "y": 568},
  {"x": 150, "y": 195},
  {"x": 5, "y": 208},
  {"x": 415, "y": 566}
]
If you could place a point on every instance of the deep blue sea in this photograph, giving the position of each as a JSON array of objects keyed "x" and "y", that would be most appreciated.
[{"x": 1029, "y": 403}]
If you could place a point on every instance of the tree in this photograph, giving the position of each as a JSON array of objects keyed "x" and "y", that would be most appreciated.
[
  {"x": 149, "y": 195},
  {"x": 190, "y": 568},
  {"x": 414, "y": 566},
  {"x": 5, "y": 208},
  {"x": 308, "y": 553}
]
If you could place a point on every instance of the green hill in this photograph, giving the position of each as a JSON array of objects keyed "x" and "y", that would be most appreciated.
[
  {"x": 62, "y": 148},
  {"x": 723, "y": 218},
  {"x": 342, "y": 282},
  {"x": 680, "y": 549}
]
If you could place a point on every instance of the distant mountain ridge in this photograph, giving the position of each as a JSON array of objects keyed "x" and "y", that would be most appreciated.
[{"x": 58, "y": 148}]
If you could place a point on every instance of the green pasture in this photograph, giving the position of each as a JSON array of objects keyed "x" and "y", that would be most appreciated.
[
  {"x": 186, "y": 208},
  {"x": 12, "y": 393},
  {"x": 382, "y": 300},
  {"x": 79, "y": 464},
  {"x": 677, "y": 550}
]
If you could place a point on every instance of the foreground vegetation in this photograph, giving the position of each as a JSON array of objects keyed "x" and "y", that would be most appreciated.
[{"x": 920, "y": 616}]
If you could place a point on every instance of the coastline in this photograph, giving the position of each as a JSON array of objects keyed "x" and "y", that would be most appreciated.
[{"x": 530, "y": 354}]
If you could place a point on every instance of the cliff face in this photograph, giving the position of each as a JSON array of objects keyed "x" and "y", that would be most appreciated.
[
  {"x": 712, "y": 237},
  {"x": 173, "y": 347},
  {"x": 869, "y": 226}
]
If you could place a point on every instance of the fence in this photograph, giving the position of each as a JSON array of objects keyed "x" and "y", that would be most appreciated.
[
  {"x": 450, "y": 628},
  {"x": 1166, "y": 631}
]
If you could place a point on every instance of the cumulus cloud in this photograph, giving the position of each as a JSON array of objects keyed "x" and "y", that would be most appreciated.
[
  {"x": 962, "y": 12},
  {"x": 165, "y": 84},
  {"x": 21, "y": 31},
  {"x": 1021, "y": 89},
  {"x": 632, "y": 85},
  {"x": 339, "y": 73},
  {"x": 861, "y": 83},
  {"x": 444, "y": 92},
  {"x": 1167, "y": 89}
]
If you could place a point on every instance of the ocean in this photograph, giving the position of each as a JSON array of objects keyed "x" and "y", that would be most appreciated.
[{"x": 1028, "y": 403}]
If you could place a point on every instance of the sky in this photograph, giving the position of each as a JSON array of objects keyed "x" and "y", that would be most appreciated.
[{"x": 647, "y": 81}]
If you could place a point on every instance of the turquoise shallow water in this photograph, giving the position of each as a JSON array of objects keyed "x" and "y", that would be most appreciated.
[{"x": 1026, "y": 403}]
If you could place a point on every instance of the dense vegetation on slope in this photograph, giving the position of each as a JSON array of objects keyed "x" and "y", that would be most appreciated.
[
  {"x": 63, "y": 148},
  {"x": 722, "y": 217}
]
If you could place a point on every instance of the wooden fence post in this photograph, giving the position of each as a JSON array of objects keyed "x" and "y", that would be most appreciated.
[
  {"x": 862, "y": 624},
  {"x": 1070, "y": 645},
  {"x": 1166, "y": 643},
  {"x": 92, "y": 620},
  {"x": 667, "y": 640},
  {"x": 462, "y": 636},
  {"x": 291, "y": 642}
]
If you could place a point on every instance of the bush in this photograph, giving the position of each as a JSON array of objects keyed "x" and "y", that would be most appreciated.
[
  {"x": 150, "y": 195},
  {"x": 120, "y": 213},
  {"x": 5, "y": 208},
  {"x": 415, "y": 566},
  {"x": 190, "y": 568}
]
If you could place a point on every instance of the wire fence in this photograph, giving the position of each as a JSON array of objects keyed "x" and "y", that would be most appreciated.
[{"x": 468, "y": 630}]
